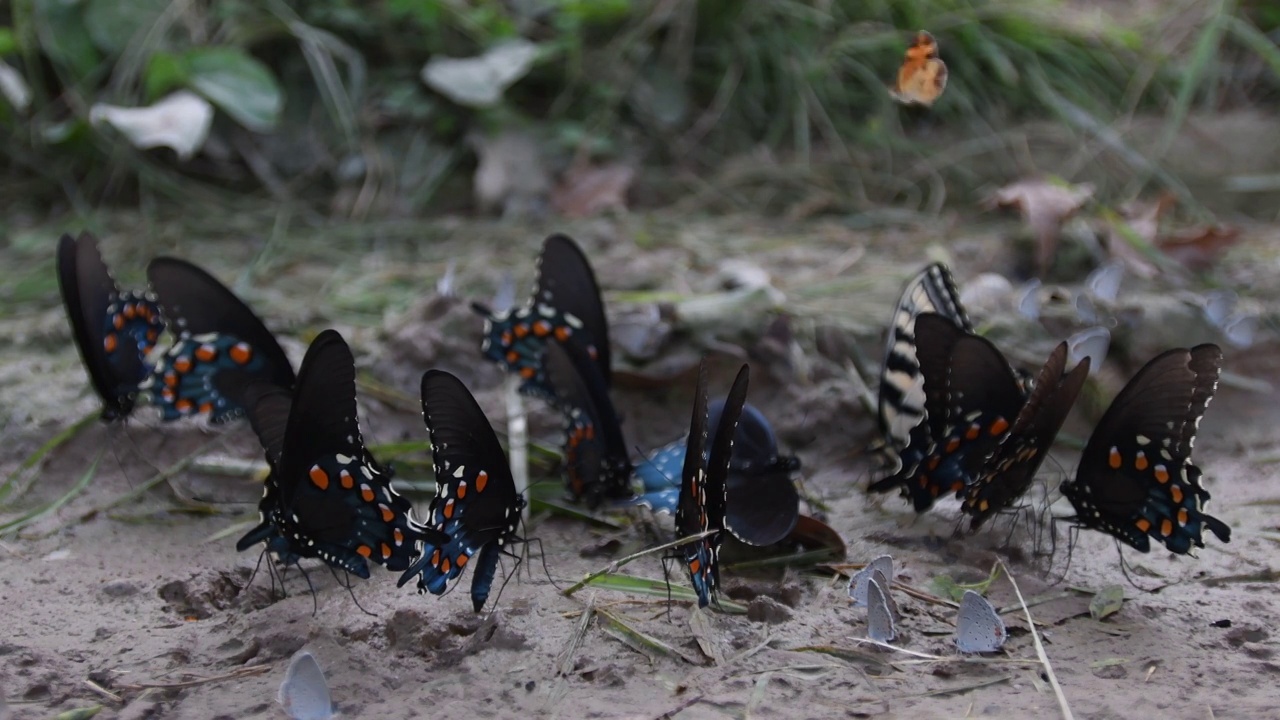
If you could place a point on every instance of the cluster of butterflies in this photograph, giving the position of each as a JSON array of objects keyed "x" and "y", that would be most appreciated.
[
  {"x": 979, "y": 628},
  {"x": 961, "y": 421},
  {"x": 328, "y": 498}
]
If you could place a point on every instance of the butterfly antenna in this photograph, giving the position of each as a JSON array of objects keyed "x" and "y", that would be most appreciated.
[
  {"x": 1124, "y": 568},
  {"x": 351, "y": 590},
  {"x": 315, "y": 603}
]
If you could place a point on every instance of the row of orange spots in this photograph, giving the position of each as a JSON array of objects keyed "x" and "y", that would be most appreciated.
[
  {"x": 182, "y": 365},
  {"x": 1140, "y": 461},
  {"x": 346, "y": 480},
  {"x": 541, "y": 328},
  {"x": 109, "y": 343},
  {"x": 999, "y": 426},
  {"x": 320, "y": 478},
  {"x": 366, "y": 493},
  {"x": 448, "y": 509},
  {"x": 206, "y": 353},
  {"x": 387, "y": 513},
  {"x": 482, "y": 479},
  {"x": 184, "y": 405},
  {"x": 462, "y": 490}
]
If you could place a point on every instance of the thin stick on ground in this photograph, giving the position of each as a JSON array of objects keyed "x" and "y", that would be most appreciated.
[
  {"x": 233, "y": 675},
  {"x": 1040, "y": 652},
  {"x": 616, "y": 564}
]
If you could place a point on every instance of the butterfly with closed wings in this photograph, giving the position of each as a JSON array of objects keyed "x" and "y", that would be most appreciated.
[
  {"x": 701, "y": 507},
  {"x": 1011, "y": 468},
  {"x": 326, "y": 496},
  {"x": 476, "y": 503},
  {"x": 971, "y": 397},
  {"x": 565, "y": 308},
  {"x": 597, "y": 464},
  {"x": 114, "y": 330},
  {"x": 216, "y": 332},
  {"x": 763, "y": 505},
  {"x": 1136, "y": 480}
]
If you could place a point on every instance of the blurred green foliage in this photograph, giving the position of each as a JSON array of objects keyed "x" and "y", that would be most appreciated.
[{"x": 320, "y": 97}]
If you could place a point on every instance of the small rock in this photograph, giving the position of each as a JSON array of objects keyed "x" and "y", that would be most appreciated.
[
  {"x": 120, "y": 588},
  {"x": 767, "y": 610}
]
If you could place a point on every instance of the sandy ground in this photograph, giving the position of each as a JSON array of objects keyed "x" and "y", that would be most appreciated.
[{"x": 144, "y": 598}]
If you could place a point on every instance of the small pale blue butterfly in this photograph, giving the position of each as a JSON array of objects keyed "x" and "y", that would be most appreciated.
[{"x": 304, "y": 694}]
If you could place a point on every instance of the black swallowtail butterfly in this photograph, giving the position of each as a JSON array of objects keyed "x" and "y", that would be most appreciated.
[
  {"x": 326, "y": 497},
  {"x": 1136, "y": 480},
  {"x": 703, "y": 485},
  {"x": 971, "y": 399},
  {"x": 565, "y": 307},
  {"x": 476, "y": 503},
  {"x": 1009, "y": 471}
]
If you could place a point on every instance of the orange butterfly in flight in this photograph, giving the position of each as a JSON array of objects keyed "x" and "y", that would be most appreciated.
[{"x": 923, "y": 75}]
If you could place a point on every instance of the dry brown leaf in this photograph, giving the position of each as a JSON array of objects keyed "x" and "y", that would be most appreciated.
[
  {"x": 587, "y": 190},
  {"x": 1199, "y": 248},
  {"x": 1045, "y": 206},
  {"x": 1143, "y": 220}
]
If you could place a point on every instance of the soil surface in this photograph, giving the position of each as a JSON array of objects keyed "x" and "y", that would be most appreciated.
[{"x": 150, "y": 603}]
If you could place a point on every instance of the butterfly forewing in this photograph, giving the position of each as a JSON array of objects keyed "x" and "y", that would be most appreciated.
[{"x": 567, "y": 283}]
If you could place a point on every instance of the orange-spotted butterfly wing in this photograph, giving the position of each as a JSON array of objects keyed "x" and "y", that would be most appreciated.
[
  {"x": 565, "y": 307},
  {"x": 703, "y": 490},
  {"x": 597, "y": 464},
  {"x": 113, "y": 330},
  {"x": 1011, "y": 468},
  {"x": 1136, "y": 480},
  {"x": 327, "y": 497},
  {"x": 476, "y": 503},
  {"x": 972, "y": 397},
  {"x": 216, "y": 332},
  {"x": 923, "y": 75}
]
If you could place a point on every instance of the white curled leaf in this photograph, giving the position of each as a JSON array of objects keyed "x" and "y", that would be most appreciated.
[
  {"x": 180, "y": 121},
  {"x": 14, "y": 88},
  {"x": 480, "y": 81}
]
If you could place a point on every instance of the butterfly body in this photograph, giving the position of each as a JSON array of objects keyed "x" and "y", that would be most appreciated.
[
  {"x": 476, "y": 503},
  {"x": 113, "y": 330},
  {"x": 923, "y": 75},
  {"x": 1136, "y": 480}
]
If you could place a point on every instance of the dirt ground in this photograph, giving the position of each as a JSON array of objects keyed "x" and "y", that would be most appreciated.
[{"x": 147, "y": 598}]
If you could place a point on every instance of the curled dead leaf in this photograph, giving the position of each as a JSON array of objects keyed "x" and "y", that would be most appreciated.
[
  {"x": 1045, "y": 205},
  {"x": 1199, "y": 248},
  {"x": 587, "y": 190},
  {"x": 1141, "y": 222}
]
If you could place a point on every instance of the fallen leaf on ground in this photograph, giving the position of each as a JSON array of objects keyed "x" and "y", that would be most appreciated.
[
  {"x": 587, "y": 190},
  {"x": 1199, "y": 248},
  {"x": 180, "y": 121},
  {"x": 1142, "y": 223},
  {"x": 1045, "y": 205}
]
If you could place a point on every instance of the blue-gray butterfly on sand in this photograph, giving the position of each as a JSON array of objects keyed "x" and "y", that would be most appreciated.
[
  {"x": 858, "y": 583},
  {"x": 304, "y": 694},
  {"x": 881, "y": 626},
  {"x": 979, "y": 628}
]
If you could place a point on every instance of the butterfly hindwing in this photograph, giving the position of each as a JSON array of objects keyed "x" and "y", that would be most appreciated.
[
  {"x": 596, "y": 459},
  {"x": 216, "y": 332}
]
